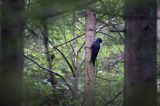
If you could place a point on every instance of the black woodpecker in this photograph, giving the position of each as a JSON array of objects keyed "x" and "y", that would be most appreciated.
[{"x": 95, "y": 49}]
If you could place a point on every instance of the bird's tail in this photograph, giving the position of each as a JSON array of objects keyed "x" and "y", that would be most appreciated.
[{"x": 91, "y": 62}]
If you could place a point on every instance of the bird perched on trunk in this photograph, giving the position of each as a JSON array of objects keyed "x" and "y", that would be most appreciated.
[{"x": 95, "y": 49}]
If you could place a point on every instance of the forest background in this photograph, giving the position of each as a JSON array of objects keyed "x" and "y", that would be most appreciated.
[{"x": 50, "y": 37}]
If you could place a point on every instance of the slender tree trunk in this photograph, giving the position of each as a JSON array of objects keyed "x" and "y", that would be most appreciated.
[
  {"x": 45, "y": 33},
  {"x": 140, "y": 53},
  {"x": 11, "y": 54},
  {"x": 50, "y": 76},
  {"x": 88, "y": 99},
  {"x": 74, "y": 61}
]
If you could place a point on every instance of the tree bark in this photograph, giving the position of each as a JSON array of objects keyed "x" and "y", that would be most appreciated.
[
  {"x": 74, "y": 60},
  {"x": 11, "y": 54},
  {"x": 140, "y": 53},
  {"x": 158, "y": 28},
  {"x": 88, "y": 99}
]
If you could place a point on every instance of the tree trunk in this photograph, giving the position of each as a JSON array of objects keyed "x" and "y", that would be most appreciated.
[
  {"x": 45, "y": 34},
  {"x": 88, "y": 99},
  {"x": 11, "y": 54},
  {"x": 74, "y": 61},
  {"x": 140, "y": 53},
  {"x": 50, "y": 75},
  {"x": 158, "y": 28}
]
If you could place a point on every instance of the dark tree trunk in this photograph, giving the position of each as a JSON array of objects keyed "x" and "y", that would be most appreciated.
[
  {"x": 11, "y": 53},
  {"x": 140, "y": 53},
  {"x": 45, "y": 33}
]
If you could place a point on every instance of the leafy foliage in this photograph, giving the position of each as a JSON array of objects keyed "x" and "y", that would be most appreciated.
[{"x": 66, "y": 33}]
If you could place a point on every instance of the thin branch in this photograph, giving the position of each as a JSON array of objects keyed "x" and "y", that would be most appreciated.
[
  {"x": 100, "y": 28},
  {"x": 118, "y": 32},
  {"x": 68, "y": 41},
  {"x": 49, "y": 70},
  {"x": 101, "y": 22},
  {"x": 31, "y": 31},
  {"x": 58, "y": 44},
  {"x": 98, "y": 77},
  {"x": 113, "y": 27},
  {"x": 70, "y": 66},
  {"x": 112, "y": 100},
  {"x": 105, "y": 34},
  {"x": 80, "y": 47}
]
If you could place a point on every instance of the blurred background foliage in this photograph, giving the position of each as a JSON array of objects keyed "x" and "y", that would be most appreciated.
[{"x": 65, "y": 20}]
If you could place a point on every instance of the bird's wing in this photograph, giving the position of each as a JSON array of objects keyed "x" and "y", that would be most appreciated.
[{"x": 94, "y": 52}]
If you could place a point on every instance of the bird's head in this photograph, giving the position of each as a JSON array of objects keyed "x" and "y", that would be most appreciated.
[{"x": 99, "y": 40}]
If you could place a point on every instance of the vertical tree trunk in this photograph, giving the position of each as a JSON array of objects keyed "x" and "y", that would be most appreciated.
[
  {"x": 11, "y": 54},
  {"x": 88, "y": 99},
  {"x": 158, "y": 28},
  {"x": 74, "y": 61},
  {"x": 140, "y": 53},
  {"x": 45, "y": 33},
  {"x": 49, "y": 75}
]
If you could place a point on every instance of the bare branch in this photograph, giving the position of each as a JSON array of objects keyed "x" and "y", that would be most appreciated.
[
  {"x": 112, "y": 100},
  {"x": 68, "y": 41},
  {"x": 105, "y": 34},
  {"x": 70, "y": 66},
  {"x": 49, "y": 70}
]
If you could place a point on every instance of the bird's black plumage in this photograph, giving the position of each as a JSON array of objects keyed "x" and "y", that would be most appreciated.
[{"x": 95, "y": 49}]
